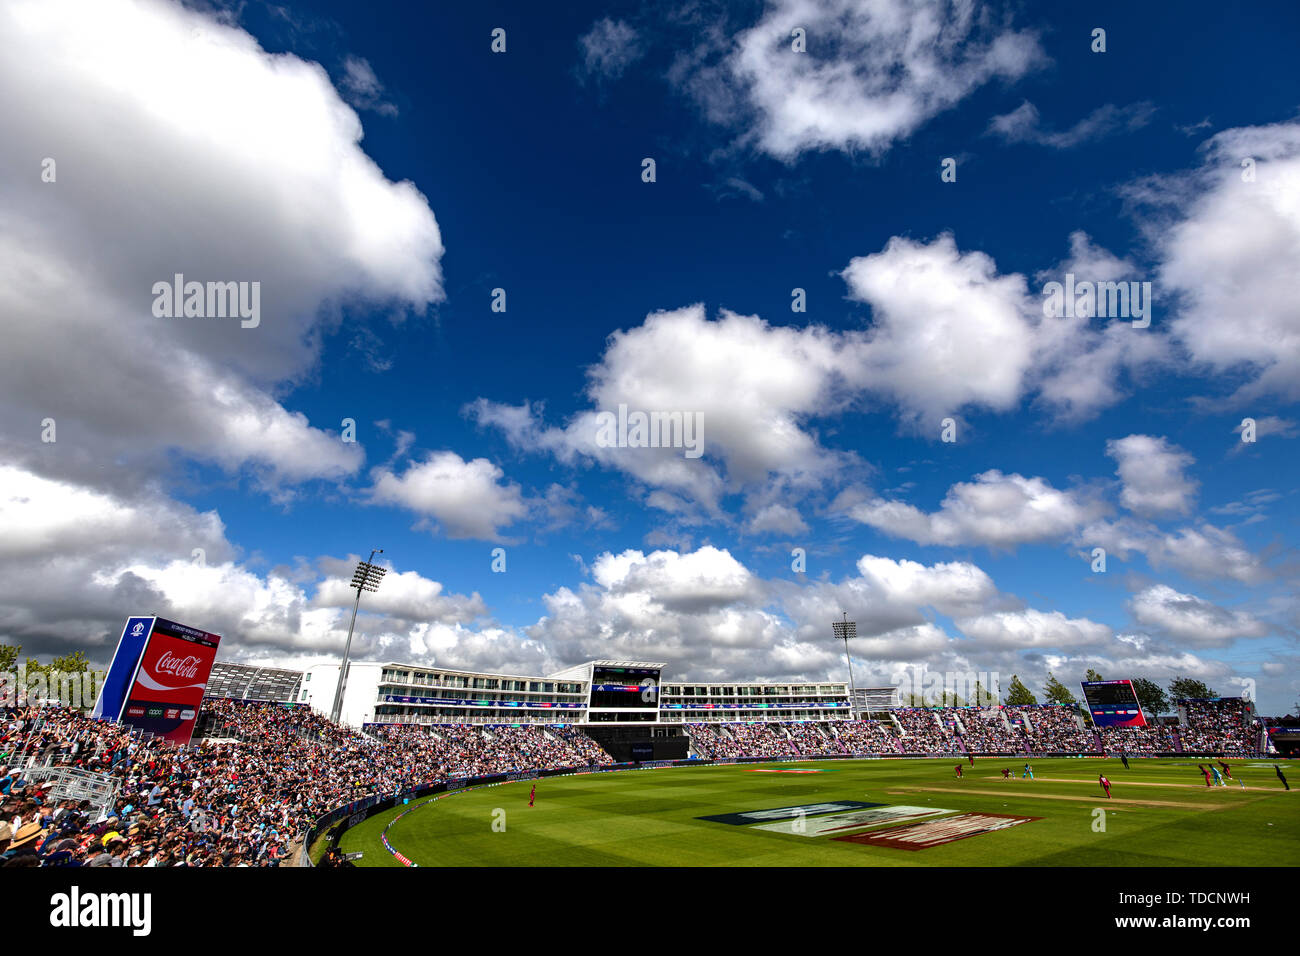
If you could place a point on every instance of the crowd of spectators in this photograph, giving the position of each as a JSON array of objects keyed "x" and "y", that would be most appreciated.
[
  {"x": 923, "y": 732},
  {"x": 1222, "y": 725},
  {"x": 986, "y": 731},
  {"x": 475, "y": 750},
  {"x": 712, "y": 742},
  {"x": 866, "y": 736},
  {"x": 590, "y": 752},
  {"x": 1137, "y": 740},
  {"x": 243, "y": 796},
  {"x": 810, "y": 740},
  {"x": 763, "y": 740},
  {"x": 1057, "y": 729}
]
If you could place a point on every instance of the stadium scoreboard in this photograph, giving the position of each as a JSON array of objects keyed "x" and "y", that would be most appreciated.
[
  {"x": 1113, "y": 703},
  {"x": 632, "y": 688}
]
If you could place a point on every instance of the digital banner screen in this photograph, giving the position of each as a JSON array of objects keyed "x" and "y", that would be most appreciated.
[
  {"x": 462, "y": 702},
  {"x": 625, "y": 687},
  {"x": 1113, "y": 703},
  {"x": 117, "y": 680},
  {"x": 169, "y": 681},
  {"x": 801, "y": 705}
]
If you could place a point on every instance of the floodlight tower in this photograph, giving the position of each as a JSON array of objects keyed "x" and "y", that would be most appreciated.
[
  {"x": 365, "y": 578},
  {"x": 846, "y": 631}
]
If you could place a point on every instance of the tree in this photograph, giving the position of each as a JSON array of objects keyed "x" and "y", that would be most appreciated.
[
  {"x": 1092, "y": 675},
  {"x": 1151, "y": 696},
  {"x": 982, "y": 696},
  {"x": 9, "y": 656},
  {"x": 74, "y": 663},
  {"x": 1057, "y": 693},
  {"x": 1181, "y": 688},
  {"x": 1018, "y": 693}
]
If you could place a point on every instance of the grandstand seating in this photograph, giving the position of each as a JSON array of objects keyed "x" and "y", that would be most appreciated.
[
  {"x": 1057, "y": 729},
  {"x": 1224, "y": 725},
  {"x": 1137, "y": 740}
]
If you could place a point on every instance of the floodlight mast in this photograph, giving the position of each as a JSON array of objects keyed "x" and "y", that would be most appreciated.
[
  {"x": 845, "y": 631},
  {"x": 365, "y": 578}
]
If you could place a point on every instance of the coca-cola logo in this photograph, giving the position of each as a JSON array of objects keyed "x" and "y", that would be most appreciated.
[{"x": 186, "y": 668}]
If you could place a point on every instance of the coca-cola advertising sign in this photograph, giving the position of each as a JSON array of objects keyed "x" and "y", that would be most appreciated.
[
  {"x": 170, "y": 680},
  {"x": 177, "y": 667}
]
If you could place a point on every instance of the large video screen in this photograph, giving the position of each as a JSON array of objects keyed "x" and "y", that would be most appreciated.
[
  {"x": 1113, "y": 703},
  {"x": 625, "y": 687},
  {"x": 169, "y": 681}
]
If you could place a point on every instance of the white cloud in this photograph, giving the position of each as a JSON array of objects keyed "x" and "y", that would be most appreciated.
[
  {"x": 44, "y": 518},
  {"x": 890, "y": 599},
  {"x": 1230, "y": 258},
  {"x": 405, "y": 595},
  {"x": 756, "y": 386},
  {"x": 1204, "y": 552},
  {"x": 1272, "y": 426},
  {"x": 608, "y": 49},
  {"x": 995, "y": 510},
  {"x": 776, "y": 518},
  {"x": 466, "y": 498},
  {"x": 949, "y": 332},
  {"x": 223, "y": 163},
  {"x": 1029, "y": 628},
  {"x": 1024, "y": 125},
  {"x": 704, "y": 579},
  {"x": 872, "y": 74},
  {"x": 1191, "y": 619},
  {"x": 1208, "y": 553},
  {"x": 1151, "y": 472},
  {"x": 75, "y": 561},
  {"x": 363, "y": 88},
  {"x": 702, "y": 610}
]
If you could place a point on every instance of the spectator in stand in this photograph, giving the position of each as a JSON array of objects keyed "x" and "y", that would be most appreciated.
[
  {"x": 925, "y": 732},
  {"x": 1057, "y": 729},
  {"x": 242, "y": 800},
  {"x": 865, "y": 736},
  {"x": 1224, "y": 726},
  {"x": 1148, "y": 740}
]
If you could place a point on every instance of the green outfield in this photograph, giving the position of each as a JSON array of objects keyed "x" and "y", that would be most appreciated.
[{"x": 858, "y": 813}]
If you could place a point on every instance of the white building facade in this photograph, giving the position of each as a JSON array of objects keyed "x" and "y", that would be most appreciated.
[{"x": 600, "y": 692}]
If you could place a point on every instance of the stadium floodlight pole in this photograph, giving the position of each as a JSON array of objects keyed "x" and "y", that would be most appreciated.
[
  {"x": 845, "y": 631},
  {"x": 365, "y": 578}
]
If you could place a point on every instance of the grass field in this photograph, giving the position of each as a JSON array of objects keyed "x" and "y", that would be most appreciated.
[{"x": 1161, "y": 815}]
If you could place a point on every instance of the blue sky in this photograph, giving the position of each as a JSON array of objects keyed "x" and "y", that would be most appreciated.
[{"x": 380, "y": 171}]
